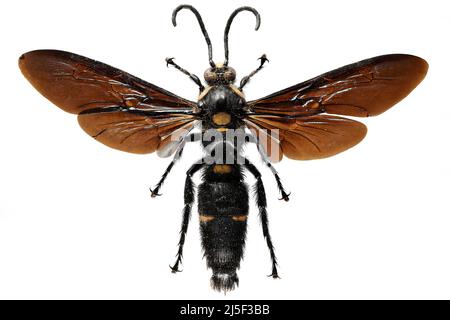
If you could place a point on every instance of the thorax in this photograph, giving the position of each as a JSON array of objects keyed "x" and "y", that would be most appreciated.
[{"x": 222, "y": 107}]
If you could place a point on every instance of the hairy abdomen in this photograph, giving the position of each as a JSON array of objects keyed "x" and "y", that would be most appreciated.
[{"x": 223, "y": 211}]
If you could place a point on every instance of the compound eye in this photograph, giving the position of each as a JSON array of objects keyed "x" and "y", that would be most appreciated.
[
  {"x": 210, "y": 76},
  {"x": 230, "y": 74}
]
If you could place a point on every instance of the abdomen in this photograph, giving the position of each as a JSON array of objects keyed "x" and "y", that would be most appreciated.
[{"x": 223, "y": 211}]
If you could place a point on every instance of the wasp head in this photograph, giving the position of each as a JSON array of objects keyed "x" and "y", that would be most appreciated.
[{"x": 220, "y": 74}]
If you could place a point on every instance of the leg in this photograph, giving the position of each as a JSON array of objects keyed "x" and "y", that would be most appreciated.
[
  {"x": 178, "y": 153},
  {"x": 246, "y": 79},
  {"x": 284, "y": 195},
  {"x": 188, "y": 201},
  {"x": 262, "y": 153},
  {"x": 261, "y": 202},
  {"x": 190, "y": 75}
]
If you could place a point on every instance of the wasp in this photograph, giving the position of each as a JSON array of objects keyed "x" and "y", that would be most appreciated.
[{"x": 302, "y": 122}]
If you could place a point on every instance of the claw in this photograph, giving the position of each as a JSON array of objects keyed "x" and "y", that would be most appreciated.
[
  {"x": 285, "y": 196},
  {"x": 175, "y": 268},
  {"x": 169, "y": 61},
  {"x": 274, "y": 276},
  {"x": 263, "y": 59},
  {"x": 155, "y": 193}
]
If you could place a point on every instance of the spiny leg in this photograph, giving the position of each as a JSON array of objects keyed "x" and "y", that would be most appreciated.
[
  {"x": 188, "y": 201},
  {"x": 284, "y": 195},
  {"x": 192, "y": 76},
  {"x": 265, "y": 158},
  {"x": 154, "y": 192},
  {"x": 246, "y": 79},
  {"x": 178, "y": 153},
  {"x": 261, "y": 202}
]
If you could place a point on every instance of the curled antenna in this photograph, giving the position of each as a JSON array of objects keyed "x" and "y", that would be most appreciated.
[
  {"x": 202, "y": 27},
  {"x": 230, "y": 20}
]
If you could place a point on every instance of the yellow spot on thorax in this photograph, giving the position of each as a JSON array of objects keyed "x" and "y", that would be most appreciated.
[
  {"x": 237, "y": 91},
  {"x": 203, "y": 93},
  {"x": 221, "y": 118},
  {"x": 222, "y": 168}
]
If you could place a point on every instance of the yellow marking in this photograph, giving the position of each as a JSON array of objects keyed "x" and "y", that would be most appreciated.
[
  {"x": 222, "y": 129},
  {"x": 312, "y": 105},
  {"x": 237, "y": 91},
  {"x": 206, "y": 218},
  {"x": 130, "y": 103},
  {"x": 219, "y": 65},
  {"x": 221, "y": 118},
  {"x": 203, "y": 93},
  {"x": 239, "y": 218},
  {"x": 222, "y": 168}
]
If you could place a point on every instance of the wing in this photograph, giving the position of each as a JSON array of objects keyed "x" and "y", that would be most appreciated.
[
  {"x": 114, "y": 107},
  {"x": 366, "y": 88}
]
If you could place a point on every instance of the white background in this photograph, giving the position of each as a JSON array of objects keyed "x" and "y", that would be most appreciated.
[{"x": 76, "y": 218}]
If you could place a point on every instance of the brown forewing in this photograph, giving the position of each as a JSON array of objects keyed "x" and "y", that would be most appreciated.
[
  {"x": 116, "y": 108},
  {"x": 365, "y": 88}
]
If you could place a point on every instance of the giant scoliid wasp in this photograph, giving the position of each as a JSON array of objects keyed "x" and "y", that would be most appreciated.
[{"x": 301, "y": 122}]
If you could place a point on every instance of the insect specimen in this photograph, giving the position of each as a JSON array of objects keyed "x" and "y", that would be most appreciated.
[{"x": 301, "y": 122}]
